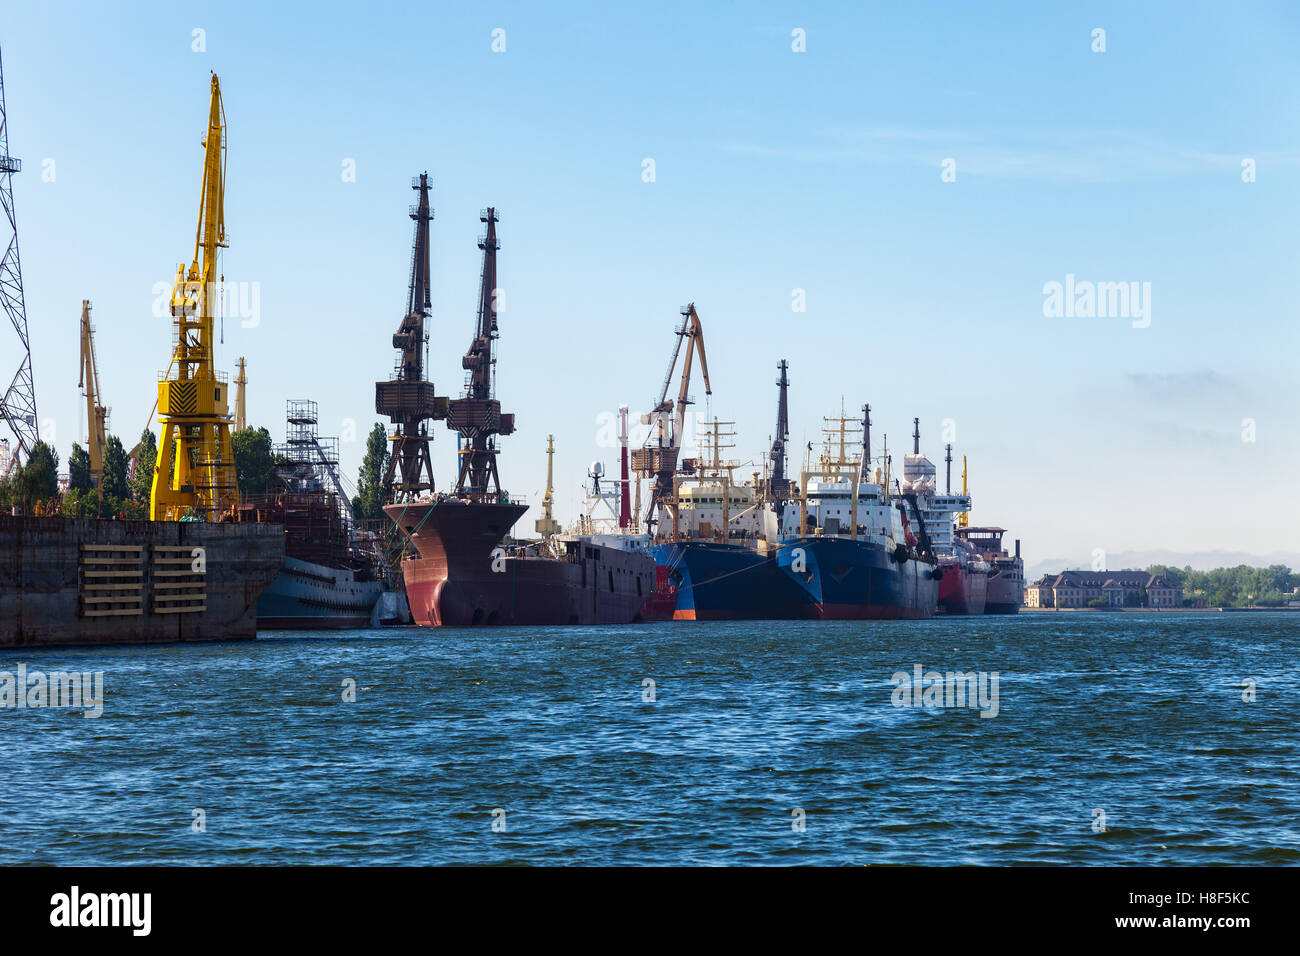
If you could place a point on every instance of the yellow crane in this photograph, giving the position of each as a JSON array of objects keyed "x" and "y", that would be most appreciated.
[
  {"x": 195, "y": 471},
  {"x": 964, "y": 517},
  {"x": 546, "y": 525},
  {"x": 241, "y": 417},
  {"x": 96, "y": 414}
]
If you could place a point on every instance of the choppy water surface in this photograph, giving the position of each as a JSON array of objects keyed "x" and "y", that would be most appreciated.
[{"x": 1138, "y": 715}]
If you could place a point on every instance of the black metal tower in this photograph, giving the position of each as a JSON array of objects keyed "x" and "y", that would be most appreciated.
[
  {"x": 408, "y": 399},
  {"x": 477, "y": 417},
  {"x": 779, "y": 486},
  {"x": 18, "y": 403}
]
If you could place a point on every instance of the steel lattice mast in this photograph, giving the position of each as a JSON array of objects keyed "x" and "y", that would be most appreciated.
[
  {"x": 18, "y": 404},
  {"x": 408, "y": 398},
  {"x": 477, "y": 417}
]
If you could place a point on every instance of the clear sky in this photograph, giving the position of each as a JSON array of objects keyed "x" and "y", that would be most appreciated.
[{"x": 775, "y": 171}]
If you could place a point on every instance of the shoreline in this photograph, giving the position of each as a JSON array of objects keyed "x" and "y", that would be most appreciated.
[{"x": 1152, "y": 610}]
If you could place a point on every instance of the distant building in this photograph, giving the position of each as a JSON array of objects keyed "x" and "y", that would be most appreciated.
[{"x": 1118, "y": 588}]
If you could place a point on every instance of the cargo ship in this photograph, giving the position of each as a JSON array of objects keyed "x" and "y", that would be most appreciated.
[
  {"x": 964, "y": 573},
  {"x": 855, "y": 551},
  {"x": 462, "y": 569},
  {"x": 1006, "y": 578},
  {"x": 702, "y": 526},
  {"x": 964, "y": 587},
  {"x": 607, "y": 519},
  {"x": 70, "y": 582}
]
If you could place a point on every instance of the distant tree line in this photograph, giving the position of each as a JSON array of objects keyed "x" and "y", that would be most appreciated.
[
  {"x": 33, "y": 486},
  {"x": 1242, "y": 586}
]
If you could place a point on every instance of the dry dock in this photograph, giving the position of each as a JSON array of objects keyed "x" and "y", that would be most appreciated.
[{"x": 67, "y": 582}]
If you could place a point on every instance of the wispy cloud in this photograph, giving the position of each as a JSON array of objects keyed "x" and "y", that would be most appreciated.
[
  {"x": 1061, "y": 154},
  {"x": 1183, "y": 386}
]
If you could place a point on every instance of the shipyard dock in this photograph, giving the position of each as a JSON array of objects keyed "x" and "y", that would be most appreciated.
[{"x": 68, "y": 582}]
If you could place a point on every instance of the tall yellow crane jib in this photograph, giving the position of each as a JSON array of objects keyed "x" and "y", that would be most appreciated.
[
  {"x": 195, "y": 470},
  {"x": 964, "y": 517},
  {"x": 241, "y": 414},
  {"x": 96, "y": 414},
  {"x": 546, "y": 525}
]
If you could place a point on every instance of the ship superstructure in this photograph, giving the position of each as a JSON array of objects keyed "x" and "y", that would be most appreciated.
[{"x": 964, "y": 572}]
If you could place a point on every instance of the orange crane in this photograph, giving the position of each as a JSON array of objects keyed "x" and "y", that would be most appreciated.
[
  {"x": 658, "y": 459},
  {"x": 96, "y": 414}
]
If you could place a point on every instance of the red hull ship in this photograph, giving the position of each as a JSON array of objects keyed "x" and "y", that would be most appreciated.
[
  {"x": 462, "y": 575},
  {"x": 963, "y": 589},
  {"x": 464, "y": 570}
]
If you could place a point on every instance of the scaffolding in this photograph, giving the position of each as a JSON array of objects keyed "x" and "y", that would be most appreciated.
[{"x": 308, "y": 464}]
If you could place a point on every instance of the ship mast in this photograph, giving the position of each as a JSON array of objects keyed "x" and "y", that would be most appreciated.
[
  {"x": 778, "y": 484},
  {"x": 866, "y": 443},
  {"x": 477, "y": 417},
  {"x": 624, "y": 503}
]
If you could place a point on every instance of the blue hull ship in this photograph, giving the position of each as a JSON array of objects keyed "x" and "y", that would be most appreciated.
[
  {"x": 726, "y": 582},
  {"x": 839, "y": 578}
]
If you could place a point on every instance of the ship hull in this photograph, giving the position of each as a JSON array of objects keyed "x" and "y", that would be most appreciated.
[
  {"x": 1005, "y": 592},
  {"x": 459, "y": 578},
  {"x": 70, "y": 582},
  {"x": 847, "y": 579},
  {"x": 726, "y": 582},
  {"x": 310, "y": 596},
  {"x": 962, "y": 591}
]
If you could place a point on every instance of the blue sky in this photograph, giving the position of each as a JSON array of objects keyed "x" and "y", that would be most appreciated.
[{"x": 775, "y": 171}]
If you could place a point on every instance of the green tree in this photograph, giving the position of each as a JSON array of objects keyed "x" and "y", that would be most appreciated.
[
  {"x": 369, "y": 500},
  {"x": 254, "y": 461},
  {"x": 38, "y": 479},
  {"x": 147, "y": 457},
  {"x": 115, "y": 482},
  {"x": 78, "y": 469}
]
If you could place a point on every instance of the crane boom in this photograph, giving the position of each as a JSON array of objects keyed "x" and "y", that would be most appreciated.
[
  {"x": 96, "y": 414},
  {"x": 963, "y": 519},
  {"x": 659, "y": 458},
  {"x": 546, "y": 525},
  {"x": 195, "y": 471},
  {"x": 241, "y": 411}
]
